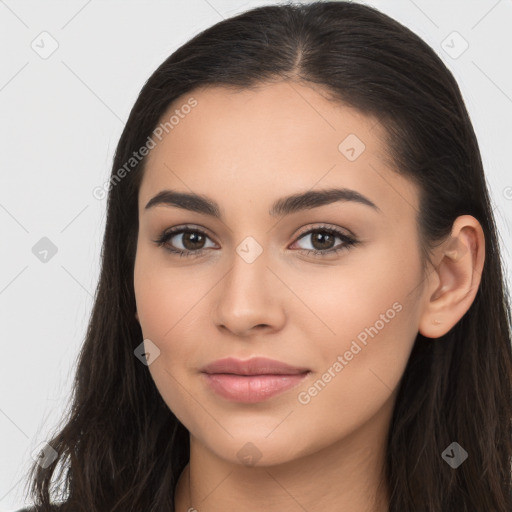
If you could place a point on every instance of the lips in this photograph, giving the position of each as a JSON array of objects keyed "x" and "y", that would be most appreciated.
[
  {"x": 253, "y": 366},
  {"x": 251, "y": 381}
]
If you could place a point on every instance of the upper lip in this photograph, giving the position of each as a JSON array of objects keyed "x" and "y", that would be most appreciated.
[{"x": 253, "y": 366}]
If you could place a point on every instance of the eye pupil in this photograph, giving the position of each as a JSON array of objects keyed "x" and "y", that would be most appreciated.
[
  {"x": 195, "y": 237},
  {"x": 319, "y": 236}
]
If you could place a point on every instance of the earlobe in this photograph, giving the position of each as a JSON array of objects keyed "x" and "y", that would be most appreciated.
[{"x": 455, "y": 279}]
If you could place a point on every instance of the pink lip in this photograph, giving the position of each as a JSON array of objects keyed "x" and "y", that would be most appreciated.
[
  {"x": 253, "y": 366},
  {"x": 253, "y": 380}
]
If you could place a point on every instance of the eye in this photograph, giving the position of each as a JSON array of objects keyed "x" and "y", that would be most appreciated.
[
  {"x": 193, "y": 240},
  {"x": 323, "y": 237}
]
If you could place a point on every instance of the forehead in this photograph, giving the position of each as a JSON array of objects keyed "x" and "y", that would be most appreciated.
[
  {"x": 271, "y": 119},
  {"x": 274, "y": 140}
]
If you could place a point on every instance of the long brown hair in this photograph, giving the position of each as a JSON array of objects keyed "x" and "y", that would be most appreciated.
[{"x": 121, "y": 449}]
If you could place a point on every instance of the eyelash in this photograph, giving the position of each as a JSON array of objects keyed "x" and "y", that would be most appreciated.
[{"x": 348, "y": 241}]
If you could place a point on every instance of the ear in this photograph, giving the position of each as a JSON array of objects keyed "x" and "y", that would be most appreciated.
[{"x": 454, "y": 282}]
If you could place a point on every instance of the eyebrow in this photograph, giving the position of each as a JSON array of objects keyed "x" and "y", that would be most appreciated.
[{"x": 283, "y": 206}]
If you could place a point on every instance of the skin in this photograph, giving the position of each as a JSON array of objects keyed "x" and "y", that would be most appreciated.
[{"x": 245, "y": 150}]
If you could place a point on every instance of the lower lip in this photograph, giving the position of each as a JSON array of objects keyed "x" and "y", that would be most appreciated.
[{"x": 251, "y": 388}]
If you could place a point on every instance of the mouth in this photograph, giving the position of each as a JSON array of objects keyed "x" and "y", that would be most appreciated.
[
  {"x": 252, "y": 381},
  {"x": 253, "y": 366}
]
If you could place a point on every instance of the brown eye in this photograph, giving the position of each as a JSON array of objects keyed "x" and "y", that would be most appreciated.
[
  {"x": 323, "y": 240},
  {"x": 192, "y": 241}
]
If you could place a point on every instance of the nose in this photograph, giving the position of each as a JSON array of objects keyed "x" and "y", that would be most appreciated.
[{"x": 250, "y": 298}]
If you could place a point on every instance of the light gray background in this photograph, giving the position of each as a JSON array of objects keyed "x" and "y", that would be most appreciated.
[{"x": 61, "y": 118}]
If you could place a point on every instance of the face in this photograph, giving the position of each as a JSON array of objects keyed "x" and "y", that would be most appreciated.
[{"x": 330, "y": 287}]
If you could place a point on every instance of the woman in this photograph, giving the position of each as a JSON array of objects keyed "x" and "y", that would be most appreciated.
[{"x": 301, "y": 303}]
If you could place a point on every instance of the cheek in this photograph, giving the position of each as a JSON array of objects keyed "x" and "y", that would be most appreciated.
[
  {"x": 360, "y": 373},
  {"x": 370, "y": 294},
  {"x": 357, "y": 373},
  {"x": 162, "y": 305},
  {"x": 370, "y": 318},
  {"x": 165, "y": 296},
  {"x": 168, "y": 305}
]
